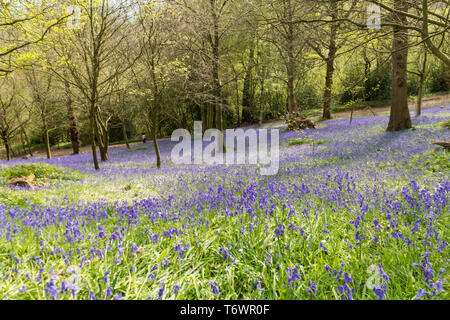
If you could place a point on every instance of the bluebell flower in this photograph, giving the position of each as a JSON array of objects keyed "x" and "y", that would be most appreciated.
[
  {"x": 92, "y": 295},
  {"x": 214, "y": 288},
  {"x": 293, "y": 275},
  {"x": 161, "y": 290},
  {"x": 176, "y": 288},
  {"x": 51, "y": 289},
  {"x": 312, "y": 288}
]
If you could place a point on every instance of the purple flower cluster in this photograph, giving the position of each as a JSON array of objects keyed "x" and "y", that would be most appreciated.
[{"x": 358, "y": 191}]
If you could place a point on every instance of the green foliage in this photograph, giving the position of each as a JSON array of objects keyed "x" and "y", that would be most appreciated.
[
  {"x": 446, "y": 124},
  {"x": 308, "y": 97},
  {"x": 434, "y": 161},
  {"x": 376, "y": 87},
  {"x": 300, "y": 141},
  {"x": 438, "y": 79},
  {"x": 41, "y": 171}
]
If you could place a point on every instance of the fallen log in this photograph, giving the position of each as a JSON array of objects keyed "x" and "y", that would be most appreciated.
[
  {"x": 445, "y": 145},
  {"x": 23, "y": 182}
]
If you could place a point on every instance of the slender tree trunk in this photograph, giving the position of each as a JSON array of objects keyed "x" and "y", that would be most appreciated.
[
  {"x": 23, "y": 143},
  {"x": 155, "y": 119},
  {"x": 238, "y": 103},
  {"x": 248, "y": 112},
  {"x": 291, "y": 67},
  {"x": 215, "y": 39},
  {"x": 46, "y": 137},
  {"x": 92, "y": 133},
  {"x": 209, "y": 115},
  {"x": 217, "y": 94},
  {"x": 328, "y": 87},
  {"x": 73, "y": 129},
  {"x": 261, "y": 100},
  {"x": 421, "y": 81},
  {"x": 27, "y": 141},
  {"x": 204, "y": 110},
  {"x": 103, "y": 138},
  {"x": 13, "y": 154},
  {"x": 400, "y": 118},
  {"x": 419, "y": 96},
  {"x": 125, "y": 135},
  {"x": 330, "y": 64},
  {"x": 7, "y": 147},
  {"x": 367, "y": 67}
]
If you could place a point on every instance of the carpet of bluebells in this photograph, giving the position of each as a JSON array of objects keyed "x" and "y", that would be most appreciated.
[{"x": 364, "y": 215}]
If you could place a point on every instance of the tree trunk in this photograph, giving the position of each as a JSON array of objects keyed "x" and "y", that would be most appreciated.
[
  {"x": 419, "y": 96},
  {"x": 47, "y": 144},
  {"x": 215, "y": 68},
  {"x": 46, "y": 137},
  {"x": 238, "y": 102},
  {"x": 73, "y": 129},
  {"x": 104, "y": 152},
  {"x": 7, "y": 147},
  {"x": 421, "y": 81},
  {"x": 125, "y": 136},
  {"x": 23, "y": 143},
  {"x": 247, "y": 91},
  {"x": 27, "y": 141},
  {"x": 290, "y": 67},
  {"x": 92, "y": 130},
  {"x": 400, "y": 118},
  {"x": 209, "y": 115},
  {"x": 328, "y": 87},
  {"x": 155, "y": 119},
  {"x": 261, "y": 100},
  {"x": 330, "y": 65},
  {"x": 291, "y": 87},
  {"x": 367, "y": 67},
  {"x": 103, "y": 138}
]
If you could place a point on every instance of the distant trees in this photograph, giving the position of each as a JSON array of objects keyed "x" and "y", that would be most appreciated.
[
  {"x": 13, "y": 114},
  {"x": 288, "y": 37},
  {"x": 329, "y": 38},
  {"x": 91, "y": 71},
  {"x": 43, "y": 102},
  {"x": 92, "y": 54},
  {"x": 155, "y": 67}
]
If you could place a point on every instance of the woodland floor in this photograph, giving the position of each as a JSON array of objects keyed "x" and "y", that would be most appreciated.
[{"x": 373, "y": 111}]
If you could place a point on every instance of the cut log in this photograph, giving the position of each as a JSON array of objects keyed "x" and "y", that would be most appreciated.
[
  {"x": 445, "y": 145},
  {"x": 299, "y": 124}
]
